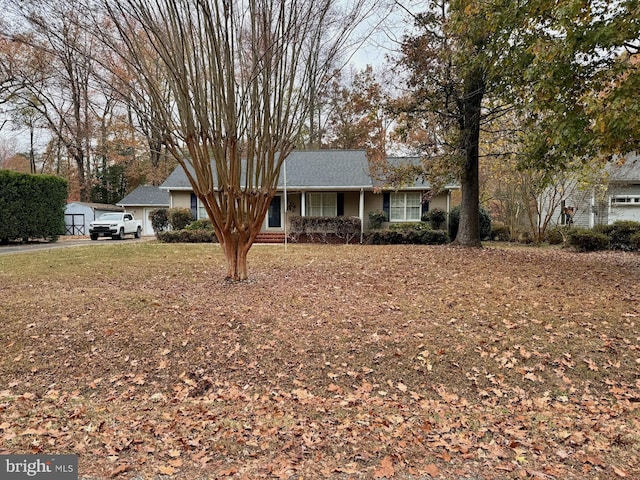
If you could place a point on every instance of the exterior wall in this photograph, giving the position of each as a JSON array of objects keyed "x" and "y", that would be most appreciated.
[
  {"x": 372, "y": 202},
  {"x": 180, "y": 199},
  {"x": 625, "y": 211},
  {"x": 352, "y": 204},
  {"x": 439, "y": 201}
]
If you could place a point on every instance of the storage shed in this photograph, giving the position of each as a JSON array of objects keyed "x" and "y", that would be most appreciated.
[{"x": 78, "y": 215}]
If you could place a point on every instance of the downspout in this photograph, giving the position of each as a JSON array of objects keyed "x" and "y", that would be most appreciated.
[
  {"x": 448, "y": 207},
  {"x": 361, "y": 215}
]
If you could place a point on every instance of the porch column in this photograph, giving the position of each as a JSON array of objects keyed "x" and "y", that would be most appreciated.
[
  {"x": 448, "y": 208},
  {"x": 303, "y": 204},
  {"x": 361, "y": 215}
]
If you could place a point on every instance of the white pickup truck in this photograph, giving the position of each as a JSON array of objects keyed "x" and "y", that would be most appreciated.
[{"x": 115, "y": 225}]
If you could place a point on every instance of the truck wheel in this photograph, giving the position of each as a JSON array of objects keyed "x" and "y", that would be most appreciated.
[
  {"x": 121, "y": 234},
  {"x": 94, "y": 237},
  {"x": 138, "y": 232}
]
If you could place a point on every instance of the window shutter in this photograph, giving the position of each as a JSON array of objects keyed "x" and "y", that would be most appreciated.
[
  {"x": 340, "y": 205},
  {"x": 386, "y": 204},
  {"x": 424, "y": 206},
  {"x": 194, "y": 206}
]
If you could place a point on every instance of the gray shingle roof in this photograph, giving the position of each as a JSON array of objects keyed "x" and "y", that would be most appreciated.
[
  {"x": 314, "y": 170},
  {"x": 627, "y": 172},
  {"x": 146, "y": 195}
]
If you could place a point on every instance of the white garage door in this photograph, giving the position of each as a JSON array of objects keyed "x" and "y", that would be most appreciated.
[{"x": 625, "y": 207}]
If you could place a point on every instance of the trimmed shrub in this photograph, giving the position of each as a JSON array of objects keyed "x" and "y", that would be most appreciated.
[
  {"x": 200, "y": 225},
  {"x": 588, "y": 240},
  {"x": 634, "y": 240},
  {"x": 31, "y": 206},
  {"x": 159, "y": 219},
  {"x": 179, "y": 218},
  {"x": 621, "y": 233},
  {"x": 485, "y": 222},
  {"x": 187, "y": 236},
  {"x": 404, "y": 226},
  {"x": 325, "y": 229},
  {"x": 403, "y": 234},
  {"x": 436, "y": 218}
]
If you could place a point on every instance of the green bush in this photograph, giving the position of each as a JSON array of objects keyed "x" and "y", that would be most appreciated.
[
  {"x": 200, "y": 225},
  {"x": 187, "y": 236},
  {"x": 376, "y": 219},
  {"x": 588, "y": 240},
  {"x": 620, "y": 234},
  {"x": 485, "y": 222},
  {"x": 417, "y": 234},
  {"x": 436, "y": 218},
  {"x": 159, "y": 219},
  {"x": 634, "y": 240},
  {"x": 557, "y": 235},
  {"x": 179, "y": 218},
  {"x": 500, "y": 232},
  {"x": 31, "y": 206},
  {"x": 415, "y": 226}
]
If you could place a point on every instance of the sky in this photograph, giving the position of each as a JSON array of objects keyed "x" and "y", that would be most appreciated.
[{"x": 380, "y": 35}]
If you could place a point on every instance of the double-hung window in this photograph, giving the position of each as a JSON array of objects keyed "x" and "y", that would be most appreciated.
[
  {"x": 322, "y": 204},
  {"x": 405, "y": 206}
]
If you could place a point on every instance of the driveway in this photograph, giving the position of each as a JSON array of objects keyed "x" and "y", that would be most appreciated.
[{"x": 63, "y": 242}]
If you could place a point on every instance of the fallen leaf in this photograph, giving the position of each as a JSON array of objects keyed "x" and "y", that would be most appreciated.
[
  {"x": 432, "y": 470},
  {"x": 385, "y": 470},
  {"x": 119, "y": 469},
  {"x": 167, "y": 470}
]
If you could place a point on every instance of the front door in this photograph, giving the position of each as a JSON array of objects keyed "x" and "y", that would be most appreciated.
[{"x": 274, "y": 217}]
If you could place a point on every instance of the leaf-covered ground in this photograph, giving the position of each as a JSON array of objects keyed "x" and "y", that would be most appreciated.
[{"x": 341, "y": 362}]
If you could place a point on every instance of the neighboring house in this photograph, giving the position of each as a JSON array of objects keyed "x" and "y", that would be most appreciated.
[
  {"x": 619, "y": 201},
  {"x": 78, "y": 215},
  {"x": 142, "y": 201},
  {"x": 327, "y": 183}
]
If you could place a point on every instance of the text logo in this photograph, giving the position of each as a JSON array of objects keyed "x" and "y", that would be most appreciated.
[{"x": 40, "y": 467}]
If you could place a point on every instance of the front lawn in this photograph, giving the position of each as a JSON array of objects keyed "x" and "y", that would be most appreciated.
[{"x": 406, "y": 362}]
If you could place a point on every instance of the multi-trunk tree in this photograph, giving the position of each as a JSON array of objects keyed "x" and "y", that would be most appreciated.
[{"x": 239, "y": 77}]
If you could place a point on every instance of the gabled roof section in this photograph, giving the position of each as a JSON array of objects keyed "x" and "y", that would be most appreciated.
[{"x": 146, "y": 195}]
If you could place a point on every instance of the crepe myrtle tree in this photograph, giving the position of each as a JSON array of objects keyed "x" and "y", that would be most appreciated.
[{"x": 239, "y": 74}]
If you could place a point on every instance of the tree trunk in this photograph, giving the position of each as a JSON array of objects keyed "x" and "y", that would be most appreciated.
[
  {"x": 469, "y": 227},
  {"x": 236, "y": 246}
]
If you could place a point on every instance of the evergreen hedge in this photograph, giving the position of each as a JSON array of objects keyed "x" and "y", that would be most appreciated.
[{"x": 31, "y": 206}]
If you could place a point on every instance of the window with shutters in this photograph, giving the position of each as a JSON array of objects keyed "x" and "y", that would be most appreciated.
[
  {"x": 405, "y": 207},
  {"x": 322, "y": 204}
]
